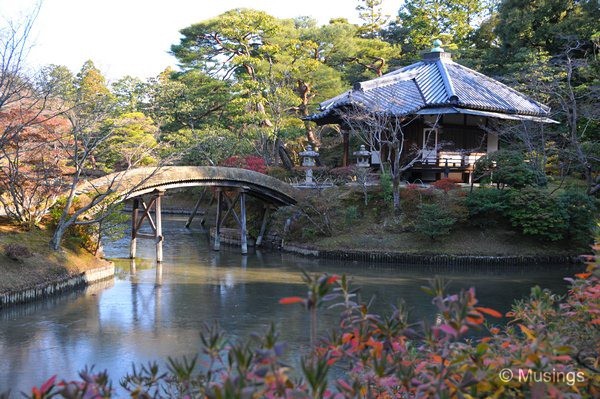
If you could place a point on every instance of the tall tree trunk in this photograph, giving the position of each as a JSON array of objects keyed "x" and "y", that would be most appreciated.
[
  {"x": 396, "y": 188},
  {"x": 396, "y": 171},
  {"x": 286, "y": 160},
  {"x": 305, "y": 95},
  {"x": 60, "y": 231},
  {"x": 63, "y": 225}
]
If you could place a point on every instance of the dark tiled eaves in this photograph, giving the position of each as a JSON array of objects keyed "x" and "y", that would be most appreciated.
[
  {"x": 432, "y": 83},
  {"x": 481, "y": 92}
]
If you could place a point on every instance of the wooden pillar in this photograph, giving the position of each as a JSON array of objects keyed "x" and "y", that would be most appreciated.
[
  {"x": 263, "y": 226},
  {"x": 158, "y": 234},
  {"x": 134, "y": 217},
  {"x": 187, "y": 225},
  {"x": 243, "y": 235},
  {"x": 132, "y": 267},
  {"x": 212, "y": 201},
  {"x": 217, "y": 242},
  {"x": 346, "y": 155},
  {"x": 159, "y": 274}
]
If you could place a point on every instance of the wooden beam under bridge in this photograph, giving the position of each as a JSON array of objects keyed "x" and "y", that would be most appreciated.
[
  {"x": 225, "y": 207},
  {"x": 155, "y": 223}
]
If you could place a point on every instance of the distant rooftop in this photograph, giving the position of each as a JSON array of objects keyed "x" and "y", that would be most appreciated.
[{"x": 435, "y": 85}]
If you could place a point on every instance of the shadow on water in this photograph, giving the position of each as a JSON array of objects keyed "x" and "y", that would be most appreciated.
[{"x": 149, "y": 312}]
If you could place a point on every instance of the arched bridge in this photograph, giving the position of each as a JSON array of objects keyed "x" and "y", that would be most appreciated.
[
  {"x": 231, "y": 186},
  {"x": 140, "y": 181}
]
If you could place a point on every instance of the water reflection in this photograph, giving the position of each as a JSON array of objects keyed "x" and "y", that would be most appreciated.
[{"x": 153, "y": 311}]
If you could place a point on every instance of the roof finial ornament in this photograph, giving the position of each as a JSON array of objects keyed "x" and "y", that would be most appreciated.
[{"x": 437, "y": 46}]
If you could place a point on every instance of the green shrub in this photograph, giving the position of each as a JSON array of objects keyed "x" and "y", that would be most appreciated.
[
  {"x": 506, "y": 167},
  {"x": 351, "y": 215},
  {"x": 582, "y": 216},
  {"x": 309, "y": 233},
  {"x": 81, "y": 235},
  {"x": 486, "y": 205},
  {"x": 537, "y": 214},
  {"x": 387, "y": 189},
  {"x": 455, "y": 202},
  {"x": 434, "y": 221}
]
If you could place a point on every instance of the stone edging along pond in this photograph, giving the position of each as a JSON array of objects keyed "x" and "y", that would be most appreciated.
[
  {"x": 431, "y": 259},
  {"x": 63, "y": 284}
]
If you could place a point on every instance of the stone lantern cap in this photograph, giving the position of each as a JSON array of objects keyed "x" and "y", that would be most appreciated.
[
  {"x": 362, "y": 157},
  {"x": 308, "y": 156},
  {"x": 362, "y": 152}
]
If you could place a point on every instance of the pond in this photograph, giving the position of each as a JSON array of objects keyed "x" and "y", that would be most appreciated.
[{"x": 133, "y": 319}]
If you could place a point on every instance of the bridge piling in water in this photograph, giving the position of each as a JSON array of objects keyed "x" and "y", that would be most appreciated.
[
  {"x": 137, "y": 221},
  {"x": 222, "y": 213},
  {"x": 263, "y": 226},
  {"x": 195, "y": 210},
  {"x": 158, "y": 237},
  {"x": 134, "y": 218},
  {"x": 217, "y": 243},
  {"x": 243, "y": 238}
]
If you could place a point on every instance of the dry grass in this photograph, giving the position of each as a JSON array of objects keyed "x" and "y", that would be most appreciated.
[{"x": 44, "y": 265}]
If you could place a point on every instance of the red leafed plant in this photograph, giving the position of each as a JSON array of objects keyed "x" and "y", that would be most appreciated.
[
  {"x": 32, "y": 163},
  {"x": 446, "y": 184},
  {"x": 250, "y": 162}
]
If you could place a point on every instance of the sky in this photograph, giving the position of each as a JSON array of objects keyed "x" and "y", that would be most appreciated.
[{"x": 133, "y": 37}]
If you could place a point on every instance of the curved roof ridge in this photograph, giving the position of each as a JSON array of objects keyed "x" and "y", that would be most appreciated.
[
  {"x": 452, "y": 97},
  {"x": 386, "y": 79},
  {"x": 406, "y": 68}
]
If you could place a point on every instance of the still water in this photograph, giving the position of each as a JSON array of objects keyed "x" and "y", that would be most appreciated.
[{"x": 134, "y": 319}]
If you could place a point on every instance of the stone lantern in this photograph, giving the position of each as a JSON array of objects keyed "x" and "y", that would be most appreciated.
[
  {"x": 362, "y": 157},
  {"x": 308, "y": 161}
]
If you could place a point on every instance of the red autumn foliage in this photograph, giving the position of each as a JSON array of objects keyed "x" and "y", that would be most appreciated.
[
  {"x": 33, "y": 162},
  {"x": 446, "y": 184},
  {"x": 250, "y": 162}
]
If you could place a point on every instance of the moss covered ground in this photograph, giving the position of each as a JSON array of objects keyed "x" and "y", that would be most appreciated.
[{"x": 36, "y": 263}]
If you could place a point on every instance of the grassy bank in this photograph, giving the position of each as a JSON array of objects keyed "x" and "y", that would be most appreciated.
[
  {"x": 337, "y": 219},
  {"x": 35, "y": 263},
  {"x": 352, "y": 225},
  {"x": 463, "y": 241}
]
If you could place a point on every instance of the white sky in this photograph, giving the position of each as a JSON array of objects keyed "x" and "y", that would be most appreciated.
[{"x": 133, "y": 37}]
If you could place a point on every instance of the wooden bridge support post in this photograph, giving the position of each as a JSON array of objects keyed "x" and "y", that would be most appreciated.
[
  {"x": 243, "y": 233},
  {"x": 158, "y": 232},
  {"x": 263, "y": 226},
  {"x": 132, "y": 267},
  {"x": 134, "y": 217},
  {"x": 217, "y": 242},
  {"x": 196, "y": 207},
  {"x": 159, "y": 275}
]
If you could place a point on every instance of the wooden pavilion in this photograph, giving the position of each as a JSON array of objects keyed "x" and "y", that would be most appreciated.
[{"x": 452, "y": 111}]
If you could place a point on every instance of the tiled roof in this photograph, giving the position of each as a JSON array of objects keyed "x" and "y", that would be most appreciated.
[{"x": 436, "y": 81}]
